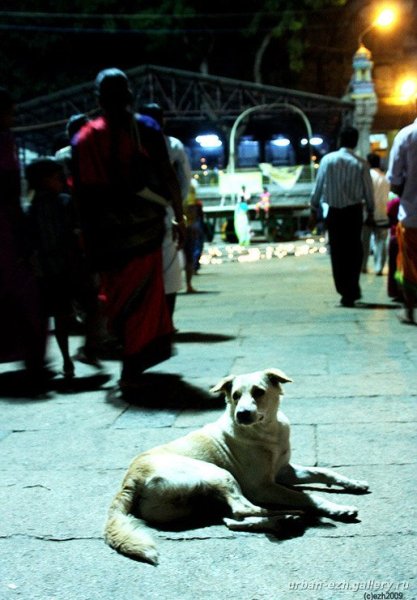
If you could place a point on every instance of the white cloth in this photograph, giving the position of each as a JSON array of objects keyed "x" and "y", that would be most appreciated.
[
  {"x": 172, "y": 264},
  {"x": 173, "y": 259},
  {"x": 179, "y": 160},
  {"x": 381, "y": 187}
]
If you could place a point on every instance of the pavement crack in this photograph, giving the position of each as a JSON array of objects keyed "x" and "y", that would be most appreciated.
[
  {"x": 193, "y": 538},
  {"x": 49, "y": 538},
  {"x": 36, "y": 485}
]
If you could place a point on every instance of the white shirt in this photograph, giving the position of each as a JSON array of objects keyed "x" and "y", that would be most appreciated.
[{"x": 343, "y": 179}]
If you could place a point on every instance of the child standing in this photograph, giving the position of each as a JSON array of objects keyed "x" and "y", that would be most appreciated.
[{"x": 57, "y": 254}]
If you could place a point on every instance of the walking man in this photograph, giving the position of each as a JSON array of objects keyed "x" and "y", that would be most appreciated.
[{"x": 344, "y": 184}]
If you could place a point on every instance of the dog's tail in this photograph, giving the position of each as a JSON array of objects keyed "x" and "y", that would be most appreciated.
[{"x": 125, "y": 533}]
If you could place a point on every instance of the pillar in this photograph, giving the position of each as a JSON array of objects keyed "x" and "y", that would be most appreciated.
[{"x": 364, "y": 98}]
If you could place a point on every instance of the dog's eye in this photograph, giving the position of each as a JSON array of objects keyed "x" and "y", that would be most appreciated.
[
  {"x": 237, "y": 395},
  {"x": 257, "y": 392}
]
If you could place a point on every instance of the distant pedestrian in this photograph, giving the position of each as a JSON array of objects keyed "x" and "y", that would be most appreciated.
[
  {"x": 193, "y": 211},
  {"x": 344, "y": 183},
  {"x": 263, "y": 205},
  {"x": 377, "y": 232},
  {"x": 402, "y": 173},
  {"x": 241, "y": 218}
]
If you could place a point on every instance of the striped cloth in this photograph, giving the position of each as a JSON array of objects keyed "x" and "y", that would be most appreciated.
[{"x": 343, "y": 180}]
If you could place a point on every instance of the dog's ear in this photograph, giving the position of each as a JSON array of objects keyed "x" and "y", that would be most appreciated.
[
  {"x": 276, "y": 376},
  {"x": 224, "y": 385}
]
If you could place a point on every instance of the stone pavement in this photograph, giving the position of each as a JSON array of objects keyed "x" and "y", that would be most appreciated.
[{"x": 352, "y": 406}]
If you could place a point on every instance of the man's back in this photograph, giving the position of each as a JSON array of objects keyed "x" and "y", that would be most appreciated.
[{"x": 343, "y": 180}]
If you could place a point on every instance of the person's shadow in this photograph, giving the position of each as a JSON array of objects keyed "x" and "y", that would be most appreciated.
[
  {"x": 167, "y": 391},
  {"x": 16, "y": 385},
  {"x": 377, "y": 305},
  {"x": 202, "y": 337}
]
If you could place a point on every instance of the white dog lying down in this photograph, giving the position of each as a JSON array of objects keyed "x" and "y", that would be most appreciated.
[{"x": 241, "y": 459}]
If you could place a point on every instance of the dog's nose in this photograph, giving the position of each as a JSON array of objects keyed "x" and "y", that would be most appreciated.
[{"x": 244, "y": 416}]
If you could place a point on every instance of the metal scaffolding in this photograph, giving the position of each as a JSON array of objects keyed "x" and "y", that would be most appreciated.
[{"x": 190, "y": 101}]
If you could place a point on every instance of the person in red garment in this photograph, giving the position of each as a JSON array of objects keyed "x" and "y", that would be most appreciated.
[
  {"x": 22, "y": 321},
  {"x": 123, "y": 180}
]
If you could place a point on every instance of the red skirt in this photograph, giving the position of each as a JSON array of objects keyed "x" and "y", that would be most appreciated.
[{"x": 137, "y": 311}]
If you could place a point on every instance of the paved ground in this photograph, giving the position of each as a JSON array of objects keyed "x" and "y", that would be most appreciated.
[{"x": 352, "y": 405}]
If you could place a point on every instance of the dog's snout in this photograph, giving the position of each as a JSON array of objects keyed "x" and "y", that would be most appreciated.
[{"x": 244, "y": 416}]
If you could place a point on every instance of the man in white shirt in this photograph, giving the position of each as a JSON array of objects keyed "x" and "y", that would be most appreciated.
[{"x": 344, "y": 183}]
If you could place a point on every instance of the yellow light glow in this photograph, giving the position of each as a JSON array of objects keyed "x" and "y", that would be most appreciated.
[
  {"x": 408, "y": 89},
  {"x": 385, "y": 18}
]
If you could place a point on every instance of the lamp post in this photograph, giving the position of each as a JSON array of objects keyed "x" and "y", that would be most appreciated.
[
  {"x": 384, "y": 19},
  {"x": 363, "y": 92}
]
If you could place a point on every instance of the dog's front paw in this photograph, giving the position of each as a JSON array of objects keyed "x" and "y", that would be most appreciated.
[
  {"x": 357, "y": 487},
  {"x": 344, "y": 513}
]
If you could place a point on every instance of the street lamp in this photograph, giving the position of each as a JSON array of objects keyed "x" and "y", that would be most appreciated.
[{"x": 384, "y": 19}]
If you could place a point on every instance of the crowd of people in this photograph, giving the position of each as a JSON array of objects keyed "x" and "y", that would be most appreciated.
[
  {"x": 111, "y": 213},
  {"x": 103, "y": 236}
]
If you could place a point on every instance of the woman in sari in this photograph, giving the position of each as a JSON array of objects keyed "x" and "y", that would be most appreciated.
[{"x": 123, "y": 179}]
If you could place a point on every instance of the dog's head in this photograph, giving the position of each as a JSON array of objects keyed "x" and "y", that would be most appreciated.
[{"x": 253, "y": 397}]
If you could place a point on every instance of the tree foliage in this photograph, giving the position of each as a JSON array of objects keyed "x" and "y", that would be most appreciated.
[
  {"x": 286, "y": 20},
  {"x": 65, "y": 43}
]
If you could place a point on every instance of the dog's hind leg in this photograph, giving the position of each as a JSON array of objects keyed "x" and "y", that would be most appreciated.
[
  {"x": 173, "y": 490},
  {"x": 226, "y": 489},
  {"x": 296, "y": 475}
]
